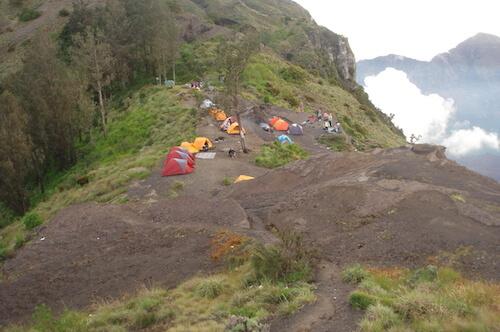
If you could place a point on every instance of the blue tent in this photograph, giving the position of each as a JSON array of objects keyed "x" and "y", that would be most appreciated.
[{"x": 284, "y": 139}]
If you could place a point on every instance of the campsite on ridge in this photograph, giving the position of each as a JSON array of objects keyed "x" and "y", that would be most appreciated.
[{"x": 212, "y": 165}]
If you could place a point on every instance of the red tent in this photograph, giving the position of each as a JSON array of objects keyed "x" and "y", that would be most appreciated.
[
  {"x": 181, "y": 155},
  {"x": 180, "y": 149},
  {"x": 176, "y": 166}
]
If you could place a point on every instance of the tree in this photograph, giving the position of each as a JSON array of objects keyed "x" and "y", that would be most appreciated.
[
  {"x": 95, "y": 60},
  {"x": 165, "y": 42},
  {"x": 50, "y": 95},
  {"x": 15, "y": 152},
  {"x": 233, "y": 58}
]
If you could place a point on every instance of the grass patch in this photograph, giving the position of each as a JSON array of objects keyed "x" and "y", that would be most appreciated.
[
  {"x": 427, "y": 299},
  {"x": 29, "y": 14},
  {"x": 277, "y": 154},
  {"x": 31, "y": 220},
  {"x": 335, "y": 142},
  {"x": 7, "y": 217},
  {"x": 222, "y": 302},
  {"x": 354, "y": 274},
  {"x": 210, "y": 288}
]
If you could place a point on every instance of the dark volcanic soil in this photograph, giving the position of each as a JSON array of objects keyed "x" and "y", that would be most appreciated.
[{"x": 404, "y": 207}]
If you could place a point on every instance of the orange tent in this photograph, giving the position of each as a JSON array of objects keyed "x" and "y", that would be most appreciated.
[
  {"x": 280, "y": 125},
  {"x": 273, "y": 120}
]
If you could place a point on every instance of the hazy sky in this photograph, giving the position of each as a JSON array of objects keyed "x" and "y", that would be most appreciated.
[{"x": 418, "y": 29}]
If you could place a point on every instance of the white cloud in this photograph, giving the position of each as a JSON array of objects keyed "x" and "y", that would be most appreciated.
[
  {"x": 414, "y": 112},
  {"x": 465, "y": 141},
  {"x": 428, "y": 116}
]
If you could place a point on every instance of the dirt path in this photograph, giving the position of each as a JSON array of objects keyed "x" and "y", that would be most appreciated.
[{"x": 331, "y": 311}]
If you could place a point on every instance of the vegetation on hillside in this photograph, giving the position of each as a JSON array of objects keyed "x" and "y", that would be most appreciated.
[
  {"x": 259, "y": 282},
  {"x": 139, "y": 135},
  {"x": 277, "y": 154},
  {"x": 428, "y": 299},
  {"x": 46, "y": 113}
]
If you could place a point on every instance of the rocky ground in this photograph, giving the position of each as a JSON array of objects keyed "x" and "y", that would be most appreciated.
[{"x": 405, "y": 207}]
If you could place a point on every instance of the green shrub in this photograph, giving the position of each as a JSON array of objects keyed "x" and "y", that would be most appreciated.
[
  {"x": 64, "y": 12},
  {"x": 32, "y": 220},
  {"x": 416, "y": 304},
  {"x": 6, "y": 216},
  {"x": 227, "y": 181},
  {"x": 361, "y": 300},
  {"x": 354, "y": 274},
  {"x": 335, "y": 142},
  {"x": 29, "y": 14},
  {"x": 277, "y": 154},
  {"x": 3, "y": 252},
  {"x": 290, "y": 261},
  {"x": 210, "y": 288},
  {"x": 293, "y": 74},
  {"x": 44, "y": 321}
]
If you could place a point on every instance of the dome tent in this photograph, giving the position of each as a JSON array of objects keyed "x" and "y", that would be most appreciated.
[
  {"x": 200, "y": 142},
  {"x": 280, "y": 125},
  {"x": 176, "y": 166},
  {"x": 296, "y": 129},
  {"x": 234, "y": 129},
  {"x": 284, "y": 139},
  {"x": 180, "y": 155}
]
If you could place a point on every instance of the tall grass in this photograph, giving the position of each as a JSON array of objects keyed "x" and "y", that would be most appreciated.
[{"x": 427, "y": 299}]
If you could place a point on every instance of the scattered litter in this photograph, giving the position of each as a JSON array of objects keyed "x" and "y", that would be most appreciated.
[
  {"x": 242, "y": 178},
  {"x": 42, "y": 239},
  {"x": 206, "y": 155}
]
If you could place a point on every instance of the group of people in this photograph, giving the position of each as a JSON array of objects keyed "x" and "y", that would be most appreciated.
[{"x": 328, "y": 122}]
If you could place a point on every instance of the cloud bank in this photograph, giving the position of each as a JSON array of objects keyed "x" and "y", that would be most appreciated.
[{"x": 429, "y": 117}]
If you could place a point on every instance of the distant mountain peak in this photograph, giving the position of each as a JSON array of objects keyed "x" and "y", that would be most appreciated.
[{"x": 483, "y": 49}]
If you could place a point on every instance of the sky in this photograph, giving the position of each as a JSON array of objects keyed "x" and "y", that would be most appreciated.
[{"x": 417, "y": 29}]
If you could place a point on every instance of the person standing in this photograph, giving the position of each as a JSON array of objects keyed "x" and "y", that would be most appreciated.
[{"x": 330, "y": 119}]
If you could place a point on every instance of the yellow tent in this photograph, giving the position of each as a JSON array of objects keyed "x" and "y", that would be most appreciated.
[
  {"x": 242, "y": 178},
  {"x": 234, "y": 129},
  {"x": 190, "y": 147},
  {"x": 200, "y": 142}
]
